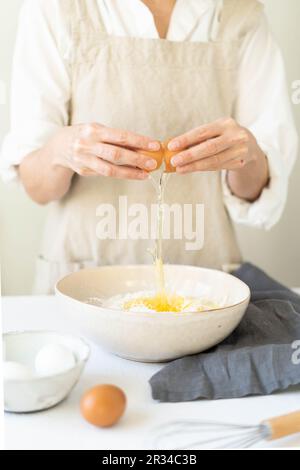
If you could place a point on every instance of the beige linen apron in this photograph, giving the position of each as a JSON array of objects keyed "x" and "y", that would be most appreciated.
[{"x": 157, "y": 88}]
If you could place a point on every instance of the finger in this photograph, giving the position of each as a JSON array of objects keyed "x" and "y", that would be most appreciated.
[
  {"x": 122, "y": 172},
  {"x": 105, "y": 168},
  {"x": 202, "y": 151},
  {"x": 196, "y": 136},
  {"x": 119, "y": 155},
  {"x": 202, "y": 133},
  {"x": 129, "y": 139},
  {"x": 233, "y": 158},
  {"x": 97, "y": 132}
]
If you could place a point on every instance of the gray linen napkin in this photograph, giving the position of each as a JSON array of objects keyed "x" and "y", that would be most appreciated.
[{"x": 257, "y": 359}]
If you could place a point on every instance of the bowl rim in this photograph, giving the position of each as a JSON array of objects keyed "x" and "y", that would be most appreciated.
[
  {"x": 149, "y": 315},
  {"x": 37, "y": 378}
]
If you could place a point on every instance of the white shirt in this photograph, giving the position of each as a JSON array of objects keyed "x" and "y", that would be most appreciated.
[{"x": 41, "y": 88}]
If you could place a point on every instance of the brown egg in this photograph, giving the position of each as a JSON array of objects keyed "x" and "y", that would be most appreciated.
[
  {"x": 158, "y": 155},
  {"x": 168, "y": 155},
  {"x": 103, "y": 405},
  {"x": 162, "y": 155}
]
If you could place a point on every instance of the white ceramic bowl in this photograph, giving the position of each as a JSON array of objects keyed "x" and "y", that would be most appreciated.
[
  {"x": 152, "y": 337},
  {"x": 40, "y": 393}
]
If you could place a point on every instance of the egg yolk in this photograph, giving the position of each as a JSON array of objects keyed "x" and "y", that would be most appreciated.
[{"x": 159, "y": 303}]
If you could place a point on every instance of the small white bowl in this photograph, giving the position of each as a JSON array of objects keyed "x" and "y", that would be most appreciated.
[
  {"x": 152, "y": 337},
  {"x": 40, "y": 393}
]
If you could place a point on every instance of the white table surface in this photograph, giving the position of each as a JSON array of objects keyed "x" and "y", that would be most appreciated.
[{"x": 63, "y": 427}]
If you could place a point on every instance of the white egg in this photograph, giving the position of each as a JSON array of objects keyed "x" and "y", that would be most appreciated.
[
  {"x": 53, "y": 359},
  {"x": 16, "y": 371}
]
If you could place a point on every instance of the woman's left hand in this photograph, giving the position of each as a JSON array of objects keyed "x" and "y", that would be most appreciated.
[{"x": 221, "y": 145}]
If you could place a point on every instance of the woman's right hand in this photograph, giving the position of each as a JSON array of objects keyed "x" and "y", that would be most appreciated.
[{"x": 94, "y": 149}]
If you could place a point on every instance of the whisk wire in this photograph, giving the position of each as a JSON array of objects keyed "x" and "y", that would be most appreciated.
[
  {"x": 230, "y": 439},
  {"x": 203, "y": 424},
  {"x": 233, "y": 435},
  {"x": 243, "y": 443}
]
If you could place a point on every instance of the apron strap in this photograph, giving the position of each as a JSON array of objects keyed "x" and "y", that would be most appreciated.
[
  {"x": 237, "y": 18},
  {"x": 82, "y": 17},
  {"x": 87, "y": 12}
]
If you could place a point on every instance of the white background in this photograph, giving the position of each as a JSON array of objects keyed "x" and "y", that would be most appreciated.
[{"x": 21, "y": 221}]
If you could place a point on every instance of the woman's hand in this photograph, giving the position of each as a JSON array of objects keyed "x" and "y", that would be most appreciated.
[
  {"x": 88, "y": 150},
  {"x": 224, "y": 145},
  {"x": 94, "y": 149}
]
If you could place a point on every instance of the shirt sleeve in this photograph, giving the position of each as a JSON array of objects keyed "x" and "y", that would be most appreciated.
[
  {"x": 40, "y": 90},
  {"x": 263, "y": 106}
]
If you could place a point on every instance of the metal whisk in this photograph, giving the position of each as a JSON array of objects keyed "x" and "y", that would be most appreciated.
[{"x": 224, "y": 435}]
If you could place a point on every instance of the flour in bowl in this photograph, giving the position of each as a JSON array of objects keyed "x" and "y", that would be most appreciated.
[{"x": 150, "y": 301}]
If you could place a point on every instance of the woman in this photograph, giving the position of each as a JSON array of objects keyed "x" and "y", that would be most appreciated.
[{"x": 97, "y": 82}]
